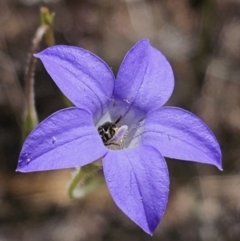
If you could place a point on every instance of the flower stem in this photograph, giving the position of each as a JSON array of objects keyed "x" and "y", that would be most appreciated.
[
  {"x": 85, "y": 180},
  {"x": 30, "y": 115},
  {"x": 47, "y": 18},
  {"x": 45, "y": 29}
]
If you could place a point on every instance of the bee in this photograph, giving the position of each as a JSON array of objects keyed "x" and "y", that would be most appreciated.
[{"x": 107, "y": 131}]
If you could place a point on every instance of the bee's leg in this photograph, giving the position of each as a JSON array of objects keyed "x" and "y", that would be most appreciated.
[
  {"x": 112, "y": 143},
  {"x": 118, "y": 120},
  {"x": 117, "y": 142}
]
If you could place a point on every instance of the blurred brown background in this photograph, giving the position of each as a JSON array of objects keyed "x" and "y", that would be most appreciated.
[{"x": 201, "y": 39}]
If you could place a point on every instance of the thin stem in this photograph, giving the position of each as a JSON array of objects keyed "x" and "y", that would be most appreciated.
[
  {"x": 45, "y": 29},
  {"x": 85, "y": 179},
  {"x": 30, "y": 115},
  {"x": 29, "y": 78},
  {"x": 47, "y": 18}
]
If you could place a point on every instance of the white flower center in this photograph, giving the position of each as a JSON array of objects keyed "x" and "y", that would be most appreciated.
[{"x": 118, "y": 127}]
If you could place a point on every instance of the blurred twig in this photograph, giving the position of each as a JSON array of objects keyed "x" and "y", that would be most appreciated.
[
  {"x": 11, "y": 89},
  {"x": 207, "y": 15},
  {"x": 205, "y": 44}
]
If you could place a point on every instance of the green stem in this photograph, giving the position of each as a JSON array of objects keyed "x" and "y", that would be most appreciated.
[
  {"x": 30, "y": 115},
  {"x": 47, "y": 18},
  {"x": 84, "y": 178},
  {"x": 45, "y": 29}
]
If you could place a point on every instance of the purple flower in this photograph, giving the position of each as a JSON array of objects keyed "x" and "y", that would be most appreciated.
[{"x": 136, "y": 173}]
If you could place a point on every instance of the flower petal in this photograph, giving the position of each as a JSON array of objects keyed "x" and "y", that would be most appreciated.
[
  {"x": 145, "y": 78},
  {"x": 179, "y": 134},
  {"x": 139, "y": 184},
  {"x": 83, "y": 77},
  {"x": 66, "y": 139}
]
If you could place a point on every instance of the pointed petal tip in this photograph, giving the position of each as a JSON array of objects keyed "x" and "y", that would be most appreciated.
[
  {"x": 36, "y": 55},
  {"x": 19, "y": 169},
  {"x": 219, "y": 167},
  {"x": 218, "y": 162},
  {"x": 40, "y": 54},
  {"x": 148, "y": 230},
  {"x": 143, "y": 41}
]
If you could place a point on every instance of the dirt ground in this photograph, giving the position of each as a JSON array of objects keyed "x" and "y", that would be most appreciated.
[{"x": 201, "y": 39}]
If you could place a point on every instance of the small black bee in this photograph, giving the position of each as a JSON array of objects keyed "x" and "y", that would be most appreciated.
[{"x": 107, "y": 130}]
